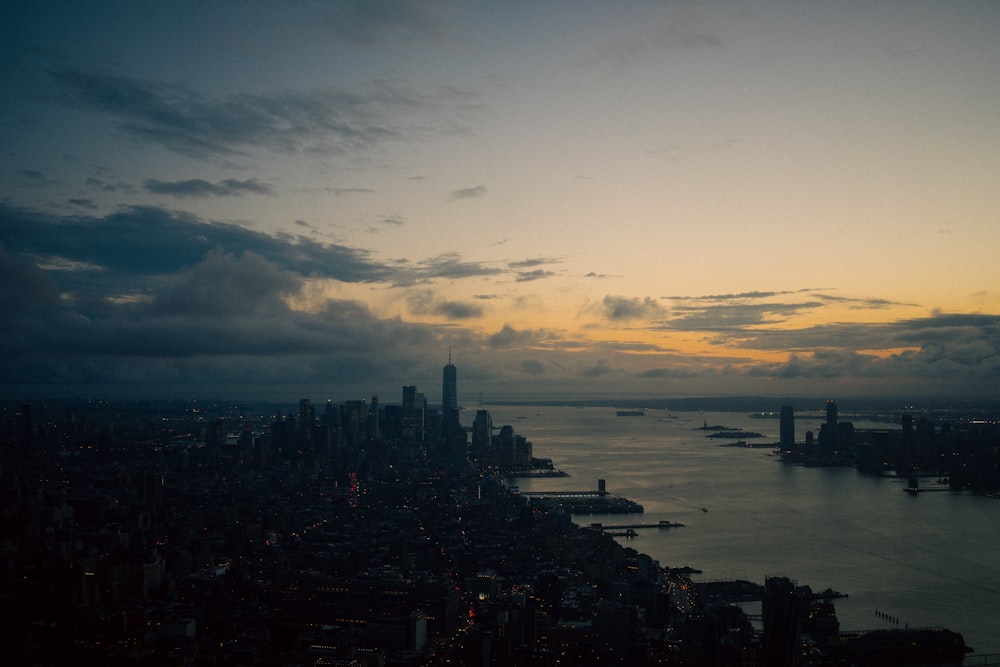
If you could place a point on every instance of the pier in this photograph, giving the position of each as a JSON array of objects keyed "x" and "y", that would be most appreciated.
[
  {"x": 567, "y": 494},
  {"x": 586, "y": 502},
  {"x": 636, "y": 526}
]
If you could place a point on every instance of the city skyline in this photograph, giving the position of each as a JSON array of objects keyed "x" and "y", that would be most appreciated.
[{"x": 646, "y": 199}]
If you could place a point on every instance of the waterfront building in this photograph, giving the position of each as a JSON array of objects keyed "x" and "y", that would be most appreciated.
[
  {"x": 782, "y": 616},
  {"x": 787, "y": 428},
  {"x": 828, "y": 430}
]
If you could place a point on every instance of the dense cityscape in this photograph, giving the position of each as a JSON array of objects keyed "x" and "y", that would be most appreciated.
[
  {"x": 364, "y": 533},
  {"x": 720, "y": 279}
]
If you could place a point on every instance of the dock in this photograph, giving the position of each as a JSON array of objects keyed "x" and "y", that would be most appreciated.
[
  {"x": 635, "y": 526},
  {"x": 586, "y": 502}
]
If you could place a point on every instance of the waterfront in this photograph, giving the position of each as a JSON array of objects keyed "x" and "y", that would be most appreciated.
[{"x": 926, "y": 560}]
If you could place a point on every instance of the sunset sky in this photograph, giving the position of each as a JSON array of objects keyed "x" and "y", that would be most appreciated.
[{"x": 321, "y": 199}]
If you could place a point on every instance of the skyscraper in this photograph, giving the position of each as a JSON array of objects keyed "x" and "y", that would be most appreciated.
[
  {"x": 414, "y": 407},
  {"x": 828, "y": 431},
  {"x": 482, "y": 434},
  {"x": 451, "y": 428},
  {"x": 782, "y": 613},
  {"x": 787, "y": 428},
  {"x": 449, "y": 387}
]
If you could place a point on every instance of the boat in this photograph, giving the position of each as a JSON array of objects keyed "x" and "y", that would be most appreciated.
[{"x": 631, "y": 413}]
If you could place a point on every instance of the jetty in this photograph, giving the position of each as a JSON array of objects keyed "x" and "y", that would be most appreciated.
[
  {"x": 635, "y": 526},
  {"x": 586, "y": 502}
]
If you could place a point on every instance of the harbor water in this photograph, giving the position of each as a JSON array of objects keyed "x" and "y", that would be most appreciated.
[{"x": 904, "y": 560}]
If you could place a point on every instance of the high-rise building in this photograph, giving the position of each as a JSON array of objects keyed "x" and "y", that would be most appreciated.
[
  {"x": 787, "y": 428},
  {"x": 828, "y": 431},
  {"x": 449, "y": 387},
  {"x": 307, "y": 416},
  {"x": 482, "y": 434},
  {"x": 449, "y": 402},
  {"x": 373, "y": 420},
  {"x": 409, "y": 396},
  {"x": 782, "y": 615},
  {"x": 412, "y": 414}
]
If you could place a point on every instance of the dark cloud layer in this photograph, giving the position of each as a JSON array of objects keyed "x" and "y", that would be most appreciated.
[
  {"x": 154, "y": 299},
  {"x": 192, "y": 123},
  {"x": 219, "y": 322},
  {"x": 146, "y": 241},
  {"x": 197, "y": 187},
  {"x": 427, "y": 303},
  {"x": 620, "y": 308}
]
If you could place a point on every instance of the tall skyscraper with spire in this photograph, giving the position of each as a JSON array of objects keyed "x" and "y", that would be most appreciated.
[
  {"x": 454, "y": 440},
  {"x": 449, "y": 388}
]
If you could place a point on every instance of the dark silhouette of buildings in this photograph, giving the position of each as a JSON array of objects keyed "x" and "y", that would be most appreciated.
[
  {"x": 146, "y": 534},
  {"x": 786, "y": 428},
  {"x": 449, "y": 387},
  {"x": 828, "y": 430},
  {"x": 782, "y": 611}
]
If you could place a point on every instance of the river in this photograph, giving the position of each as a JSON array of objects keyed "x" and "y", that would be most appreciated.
[{"x": 925, "y": 560}]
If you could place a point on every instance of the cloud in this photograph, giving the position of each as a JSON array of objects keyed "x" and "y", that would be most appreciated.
[
  {"x": 469, "y": 193},
  {"x": 451, "y": 265},
  {"x": 528, "y": 276},
  {"x": 343, "y": 192},
  {"x": 220, "y": 322},
  {"x": 374, "y": 22},
  {"x": 656, "y": 373},
  {"x": 97, "y": 183},
  {"x": 677, "y": 30},
  {"x": 743, "y": 312},
  {"x": 149, "y": 241},
  {"x": 532, "y": 262},
  {"x": 598, "y": 369},
  {"x": 197, "y": 187},
  {"x": 532, "y": 367},
  {"x": 163, "y": 302},
  {"x": 958, "y": 351},
  {"x": 457, "y": 310},
  {"x": 735, "y": 296},
  {"x": 620, "y": 308},
  {"x": 224, "y": 285},
  {"x": 325, "y": 121},
  {"x": 734, "y": 316},
  {"x": 508, "y": 336},
  {"x": 522, "y": 276},
  {"x": 426, "y": 303},
  {"x": 25, "y": 287}
]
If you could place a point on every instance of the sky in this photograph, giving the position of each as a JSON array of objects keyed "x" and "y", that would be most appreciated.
[{"x": 572, "y": 199}]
